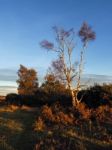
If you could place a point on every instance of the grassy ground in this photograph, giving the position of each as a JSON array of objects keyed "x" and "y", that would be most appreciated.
[{"x": 17, "y": 133}]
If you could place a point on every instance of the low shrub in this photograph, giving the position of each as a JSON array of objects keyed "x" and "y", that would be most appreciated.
[
  {"x": 39, "y": 125},
  {"x": 53, "y": 116},
  {"x": 84, "y": 111},
  {"x": 13, "y": 99}
]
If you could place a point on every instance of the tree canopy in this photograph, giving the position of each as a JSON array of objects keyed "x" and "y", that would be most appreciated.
[{"x": 27, "y": 81}]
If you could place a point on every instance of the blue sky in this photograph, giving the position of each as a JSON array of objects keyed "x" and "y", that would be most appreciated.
[{"x": 24, "y": 23}]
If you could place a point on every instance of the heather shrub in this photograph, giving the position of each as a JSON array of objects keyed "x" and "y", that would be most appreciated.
[
  {"x": 39, "y": 125},
  {"x": 12, "y": 99},
  {"x": 96, "y": 95},
  {"x": 103, "y": 113},
  {"x": 84, "y": 111},
  {"x": 64, "y": 118},
  {"x": 56, "y": 116},
  {"x": 47, "y": 112},
  {"x": 59, "y": 142}
]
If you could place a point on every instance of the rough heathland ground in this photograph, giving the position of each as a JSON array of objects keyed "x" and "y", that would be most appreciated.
[{"x": 34, "y": 128}]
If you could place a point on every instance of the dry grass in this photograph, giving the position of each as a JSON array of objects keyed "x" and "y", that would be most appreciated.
[
  {"x": 54, "y": 128},
  {"x": 16, "y": 132},
  {"x": 39, "y": 125}
]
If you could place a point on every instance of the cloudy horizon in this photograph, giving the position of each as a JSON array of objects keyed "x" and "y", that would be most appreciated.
[{"x": 8, "y": 79}]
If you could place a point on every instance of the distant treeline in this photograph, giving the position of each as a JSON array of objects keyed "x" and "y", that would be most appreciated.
[{"x": 93, "y": 97}]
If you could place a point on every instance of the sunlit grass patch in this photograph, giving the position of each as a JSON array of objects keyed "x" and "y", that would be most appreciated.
[
  {"x": 10, "y": 108},
  {"x": 16, "y": 132},
  {"x": 11, "y": 124}
]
